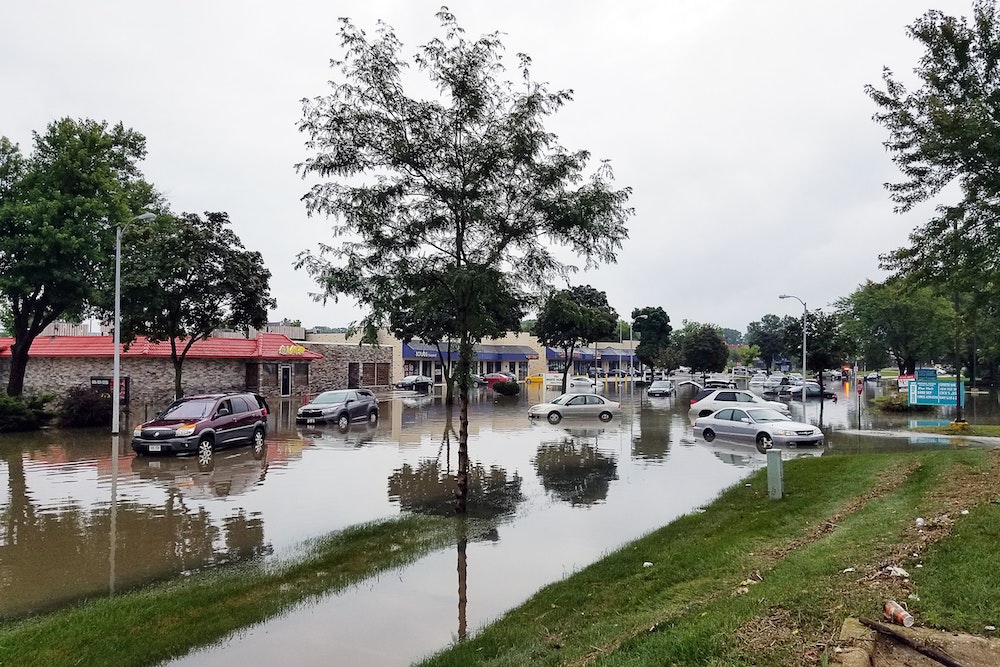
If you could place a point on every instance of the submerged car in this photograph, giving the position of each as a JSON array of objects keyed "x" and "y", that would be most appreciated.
[
  {"x": 576, "y": 405},
  {"x": 203, "y": 424},
  {"x": 660, "y": 388},
  {"x": 340, "y": 407},
  {"x": 415, "y": 383},
  {"x": 707, "y": 401},
  {"x": 763, "y": 426}
]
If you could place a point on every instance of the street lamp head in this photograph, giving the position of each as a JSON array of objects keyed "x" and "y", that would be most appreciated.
[
  {"x": 782, "y": 296},
  {"x": 143, "y": 217}
]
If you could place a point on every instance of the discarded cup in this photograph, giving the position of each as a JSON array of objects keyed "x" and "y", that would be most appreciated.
[{"x": 895, "y": 613}]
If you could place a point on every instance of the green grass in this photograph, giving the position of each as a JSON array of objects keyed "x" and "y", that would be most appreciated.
[
  {"x": 162, "y": 621},
  {"x": 752, "y": 581},
  {"x": 745, "y": 581},
  {"x": 981, "y": 430}
]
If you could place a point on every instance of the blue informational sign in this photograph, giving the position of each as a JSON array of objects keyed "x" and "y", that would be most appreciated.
[
  {"x": 925, "y": 375},
  {"x": 933, "y": 393}
]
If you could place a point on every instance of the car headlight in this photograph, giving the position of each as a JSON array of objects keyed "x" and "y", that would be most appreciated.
[
  {"x": 785, "y": 432},
  {"x": 187, "y": 429},
  {"x": 329, "y": 410},
  {"x": 137, "y": 431}
]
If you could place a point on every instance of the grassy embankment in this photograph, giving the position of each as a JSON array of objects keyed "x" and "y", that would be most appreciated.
[
  {"x": 161, "y": 621},
  {"x": 751, "y": 581},
  {"x": 747, "y": 581}
]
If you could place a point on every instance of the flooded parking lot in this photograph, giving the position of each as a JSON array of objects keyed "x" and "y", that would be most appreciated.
[{"x": 82, "y": 516}]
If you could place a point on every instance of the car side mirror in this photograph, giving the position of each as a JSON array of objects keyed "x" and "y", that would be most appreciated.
[
  {"x": 745, "y": 420},
  {"x": 222, "y": 412}
]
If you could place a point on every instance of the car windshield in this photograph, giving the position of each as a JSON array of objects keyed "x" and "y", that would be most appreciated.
[
  {"x": 559, "y": 400},
  {"x": 331, "y": 397},
  {"x": 188, "y": 410},
  {"x": 764, "y": 415}
]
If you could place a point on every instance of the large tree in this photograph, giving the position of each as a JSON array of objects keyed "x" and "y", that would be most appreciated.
[
  {"x": 770, "y": 335},
  {"x": 572, "y": 317},
  {"x": 652, "y": 325},
  {"x": 463, "y": 184},
  {"x": 912, "y": 324},
  {"x": 187, "y": 276},
  {"x": 59, "y": 207},
  {"x": 945, "y": 138},
  {"x": 703, "y": 346}
]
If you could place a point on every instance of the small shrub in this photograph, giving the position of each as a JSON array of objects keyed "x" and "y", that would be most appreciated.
[
  {"x": 507, "y": 388},
  {"x": 82, "y": 406},
  {"x": 900, "y": 402},
  {"x": 23, "y": 413}
]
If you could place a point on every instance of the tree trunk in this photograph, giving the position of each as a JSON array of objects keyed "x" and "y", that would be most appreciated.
[
  {"x": 18, "y": 366},
  {"x": 465, "y": 355},
  {"x": 178, "y": 362}
]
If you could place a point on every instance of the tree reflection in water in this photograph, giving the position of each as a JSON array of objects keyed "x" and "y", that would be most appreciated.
[{"x": 574, "y": 470}]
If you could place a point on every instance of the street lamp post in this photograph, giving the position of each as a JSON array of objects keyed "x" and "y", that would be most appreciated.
[
  {"x": 804, "y": 313},
  {"x": 115, "y": 389}
]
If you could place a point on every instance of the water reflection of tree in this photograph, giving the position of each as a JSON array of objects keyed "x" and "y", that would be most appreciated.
[
  {"x": 575, "y": 470},
  {"x": 430, "y": 489}
]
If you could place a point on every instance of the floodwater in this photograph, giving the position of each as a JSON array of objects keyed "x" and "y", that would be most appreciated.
[{"x": 84, "y": 517}]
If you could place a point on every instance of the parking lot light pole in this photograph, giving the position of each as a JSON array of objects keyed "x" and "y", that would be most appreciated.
[
  {"x": 804, "y": 313},
  {"x": 115, "y": 389}
]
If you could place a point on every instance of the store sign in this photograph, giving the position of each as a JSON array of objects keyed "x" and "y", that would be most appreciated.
[
  {"x": 425, "y": 353},
  {"x": 292, "y": 350},
  {"x": 933, "y": 393},
  {"x": 102, "y": 386}
]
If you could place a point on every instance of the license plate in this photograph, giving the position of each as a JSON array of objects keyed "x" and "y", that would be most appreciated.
[
  {"x": 154, "y": 448},
  {"x": 310, "y": 421}
]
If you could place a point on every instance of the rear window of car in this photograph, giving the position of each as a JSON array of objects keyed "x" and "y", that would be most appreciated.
[{"x": 702, "y": 394}]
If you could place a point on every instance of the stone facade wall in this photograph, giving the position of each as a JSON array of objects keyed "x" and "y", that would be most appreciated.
[
  {"x": 331, "y": 372},
  {"x": 151, "y": 380}
]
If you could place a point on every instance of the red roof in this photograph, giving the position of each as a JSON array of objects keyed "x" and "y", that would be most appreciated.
[{"x": 267, "y": 346}]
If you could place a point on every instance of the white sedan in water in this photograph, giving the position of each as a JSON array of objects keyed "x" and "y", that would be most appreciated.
[
  {"x": 763, "y": 426},
  {"x": 576, "y": 405}
]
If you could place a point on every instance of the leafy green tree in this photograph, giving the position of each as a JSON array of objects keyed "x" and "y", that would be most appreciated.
[
  {"x": 749, "y": 354},
  {"x": 827, "y": 345},
  {"x": 703, "y": 347},
  {"x": 573, "y": 317},
  {"x": 59, "y": 207},
  {"x": 769, "y": 334},
  {"x": 426, "y": 309},
  {"x": 652, "y": 326},
  {"x": 912, "y": 324},
  {"x": 464, "y": 184},
  {"x": 731, "y": 336},
  {"x": 187, "y": 276},
  {"x": 945, "y": 134}
]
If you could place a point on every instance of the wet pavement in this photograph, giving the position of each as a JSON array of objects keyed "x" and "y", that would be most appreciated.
[{"x": 82, "y": 516}]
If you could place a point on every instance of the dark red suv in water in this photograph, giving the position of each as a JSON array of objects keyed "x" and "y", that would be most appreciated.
[{"x": 203, "y": 424}]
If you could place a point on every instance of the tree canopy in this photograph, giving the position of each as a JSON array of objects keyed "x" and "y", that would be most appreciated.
[
  {"x": 187, "y": 276},
  {"x": 59, "y": 207},
  {"x": 652, "y": 324},
  {"x": 573, "y": 317},
  {"x": 465, "y": 187}
]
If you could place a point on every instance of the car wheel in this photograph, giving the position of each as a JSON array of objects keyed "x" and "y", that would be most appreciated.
[
  {"x": 206, "y": 451},
  {"x": 343, "y": 421},
  {"x": 373, "y": 416},
  {"x": 554, "y": 417},
  {"x": 258, "y": 443},
  {"x": 764, "y": 442},
  {"x": 708, "y": 434},
  {"x": 605, "y": 416}
]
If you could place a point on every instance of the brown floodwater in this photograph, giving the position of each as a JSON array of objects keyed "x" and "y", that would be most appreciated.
[{"x": 83, "y": 516}]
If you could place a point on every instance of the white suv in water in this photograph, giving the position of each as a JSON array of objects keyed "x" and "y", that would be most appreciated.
[{"x": 707, "y": 401}]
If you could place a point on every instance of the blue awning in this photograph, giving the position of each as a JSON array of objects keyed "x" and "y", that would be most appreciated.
[{"x": 419, "y": 350}]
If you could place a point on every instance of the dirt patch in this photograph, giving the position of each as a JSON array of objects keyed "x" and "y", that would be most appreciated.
[{"x": 885, "y": 579}]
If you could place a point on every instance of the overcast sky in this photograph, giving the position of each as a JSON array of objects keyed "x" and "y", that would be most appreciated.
[{"x": 742, "y": 127}]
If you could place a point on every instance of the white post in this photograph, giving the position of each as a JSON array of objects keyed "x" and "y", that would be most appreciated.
[{"x": 115, "y": 389}]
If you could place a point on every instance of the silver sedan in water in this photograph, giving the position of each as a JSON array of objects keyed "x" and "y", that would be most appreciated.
[
  {"x": 576, "y": 405},
  {"x": 764, "y": 426}
]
